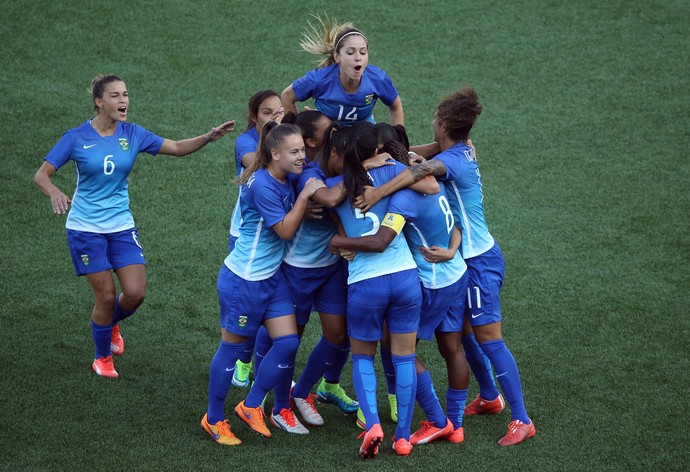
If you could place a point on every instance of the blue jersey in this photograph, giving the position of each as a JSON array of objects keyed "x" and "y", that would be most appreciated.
[
  {"x": 429, "y": 222},
  {"x": 259, "y": 250},
  {"x": 367, "y": 265},
  {"x": 245, "y": 143},
  {"x": 464, "y": 188},
  {"x": 323, "y": 85},
  {"x": 101, "y": 201},
  {"x": 309, "y": 246}
]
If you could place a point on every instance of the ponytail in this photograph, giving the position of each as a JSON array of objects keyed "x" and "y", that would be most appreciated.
[{"x": 327, "y": 39}]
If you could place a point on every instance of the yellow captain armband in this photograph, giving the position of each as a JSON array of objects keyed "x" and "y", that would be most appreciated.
[{"x": 394, "y": 222}]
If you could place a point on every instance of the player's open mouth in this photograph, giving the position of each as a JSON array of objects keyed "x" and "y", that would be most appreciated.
[
  {"x": 358, "y": 68},
  {"x": 122, "y": 110}
]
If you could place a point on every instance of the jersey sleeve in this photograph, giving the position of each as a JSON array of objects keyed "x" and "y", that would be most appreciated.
[
  {"x": 404, "y": 203},
  {"x": 307, "y": 174},
  {"x": 150, "y": 143},
  {"x": 451, "y": 164},
  {"x": 305, "y": 86},
  {"x": 244, "y": 144},
  {"x": 62, "y": 151},
  {"x": 269, "y": 204},
  {"x": 387, "y": 91},
  {"x": 333, "y": 181}
]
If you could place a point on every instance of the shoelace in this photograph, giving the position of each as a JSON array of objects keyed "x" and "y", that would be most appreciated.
[
  {"x": 426, "y": 426},
  {"x": 513, "y": 427},
  {"x": 288, "y": 416},
  {"x": 224, "y": 428},
  {"x": 310, "y": 401}
]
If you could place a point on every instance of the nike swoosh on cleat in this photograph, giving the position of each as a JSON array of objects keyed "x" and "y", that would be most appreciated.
[
  {"x": 214, "y": 435},
  {"x": 89, "y": 146},
  {"x": 246, "y": 415}
]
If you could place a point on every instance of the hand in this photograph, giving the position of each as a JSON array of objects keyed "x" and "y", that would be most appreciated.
[
  {"x": 278, "y": 115},
  {"x": 436, "y": 254},
  {"x": 379, "y": 160},
  {"x": 220, "y": 131},
  {"x": 333, "y": 245},
  {"x": 368, "y": 199},
  {"x": 60, "y": 202},
  {"x": 347, "y": 254},
  {"x": 314, "y": 211},
  {"x": 415, "y": 158},
  {"x": 312, "y": 185}
]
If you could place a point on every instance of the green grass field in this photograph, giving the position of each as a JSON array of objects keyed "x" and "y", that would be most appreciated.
[{"x": 583, "y": 147}]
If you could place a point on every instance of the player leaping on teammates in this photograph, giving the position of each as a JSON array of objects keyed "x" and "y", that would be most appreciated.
[
  {"x": 101, "y": 234},
  {"x": 345, "y": 87},
  {"x": 456, "y": 166}
]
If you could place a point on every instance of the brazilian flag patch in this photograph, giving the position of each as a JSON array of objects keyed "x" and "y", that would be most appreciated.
[
  {"x": 124, "y": 144},
  {"x": 242, "y": 321},
  {"x": 85, "y": 259}
]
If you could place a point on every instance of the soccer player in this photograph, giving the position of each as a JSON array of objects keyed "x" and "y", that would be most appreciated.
[
  {"x": 429, "y": 227},
  {"x": 252, "y": 289},
  {"x": 381, "y": 287},
  {"x": 318, "y": 280},
  {"x": 101, "y": 234},
  {"x": 457, "y": 167},
  {"x": 264, "y": 106},
  {"x": 345, "y": 87}
]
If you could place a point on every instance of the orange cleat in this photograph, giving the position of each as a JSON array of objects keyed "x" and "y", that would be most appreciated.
[
  {"x": 220, "y": 432},
  {"x": 117, "y": 344},
  {"x": 370, "y": 445},
  {"x": 254, "y": 417},
  {"x": 428, "y": 433},
  {"x": 104, "y": 367},
  {"x": 479, "y": 406},
  {"x": 457, "y": 436},
  {"x": 402, "y": 447},
  {"x": 518, "y": 432}
]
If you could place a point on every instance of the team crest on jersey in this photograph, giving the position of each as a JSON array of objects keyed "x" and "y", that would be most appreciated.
[
  {"x": 85, "y": 259},
  {"x": 369, "y": 98},
  {"x": 242, "y": 321},
  {"x": 124, "y": 144}
]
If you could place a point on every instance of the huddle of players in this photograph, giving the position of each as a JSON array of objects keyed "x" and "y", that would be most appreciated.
[{"x": 395, "y": 225}]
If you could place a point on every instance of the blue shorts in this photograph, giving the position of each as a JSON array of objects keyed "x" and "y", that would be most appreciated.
[
  {"x": 395, "y": 298},
  {"x": 244, "y": 305},
  {"x": 436, "y": 305},
  {"x": 455, "y": 315},
  {"x": 96, "y": 252},
  {"x": 484, "y": 289},
  {"x": 322, "y": 289}
]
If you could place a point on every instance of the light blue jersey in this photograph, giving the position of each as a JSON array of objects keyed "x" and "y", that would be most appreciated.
[
  {"x": 101, "y": 201},
  {"x": 245, "y": 143},
  {"x": 464, "y": 188},
  {"x": 366, "y": 265},
  {"x": 309, "y": 246},
  {"x": 323, "y": 85},
  {"x": 429, "y": 222},
  {"x": 259, "y": 250}
]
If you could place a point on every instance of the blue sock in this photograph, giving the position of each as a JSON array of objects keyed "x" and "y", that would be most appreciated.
[
  {"x": 481, "y": 368},
  {"x": 101, "y": 339},
  {"x": 275, "y": 371},
  {"x": 335, "y": 370},
  {"x": 262, "y": 344},
  {"x": 455, "y": 405},
  {"x": 120, "y": 313},
  {"x": 323, "y": 354},
  {"x": 405, "y": 390},
  {"x": 388, "y": 369},
  {"x": 220, "y": 378},
  {"x": 248, "y": 351},
  {"x": 428, "y": 401},
  {"x": 364, "y": 380},
  {"x": 508, "y": 376}
]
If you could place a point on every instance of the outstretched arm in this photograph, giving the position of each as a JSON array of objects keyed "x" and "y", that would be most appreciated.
[
  {"x": 188, "y": 146},
  {"x": 395, "y": 113}
]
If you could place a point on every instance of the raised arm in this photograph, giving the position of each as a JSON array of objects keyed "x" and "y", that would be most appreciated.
[{"x": 188, "y": 146}]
